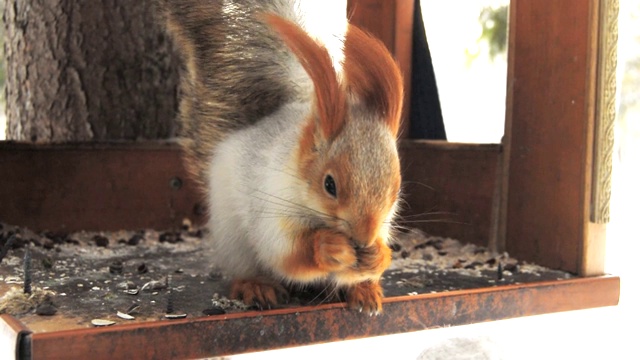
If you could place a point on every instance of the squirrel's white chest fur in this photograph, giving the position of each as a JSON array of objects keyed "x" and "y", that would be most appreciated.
[{"x": 253, "y": 186}]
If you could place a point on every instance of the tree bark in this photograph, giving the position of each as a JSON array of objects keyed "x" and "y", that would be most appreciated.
[{"x": 88, "y": 70}]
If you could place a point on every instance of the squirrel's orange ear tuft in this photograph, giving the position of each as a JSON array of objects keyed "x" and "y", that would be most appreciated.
[
  {"x": 330, "y": 99},
  {"x": 372, "y": 74}
]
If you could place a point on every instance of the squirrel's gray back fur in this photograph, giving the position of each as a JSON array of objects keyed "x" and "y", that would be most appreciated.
[{"x": 237, "y": 70}]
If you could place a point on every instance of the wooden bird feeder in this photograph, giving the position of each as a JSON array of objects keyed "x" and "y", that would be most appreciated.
[{"x": 541, "y": 195}]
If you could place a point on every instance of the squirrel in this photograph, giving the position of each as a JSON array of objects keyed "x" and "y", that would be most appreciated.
[{"x": 297, "y": 155}]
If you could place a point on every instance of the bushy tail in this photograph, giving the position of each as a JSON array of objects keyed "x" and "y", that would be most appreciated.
[{"x": 237, "y": 70}]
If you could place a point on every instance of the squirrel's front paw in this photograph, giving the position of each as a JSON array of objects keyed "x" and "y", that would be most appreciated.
[
  {"x": 374, "y": 259},
  {"x": 365, "y": 297},
  {"x": 333, "y": 251},
  {"x": 260, "y": 292}
]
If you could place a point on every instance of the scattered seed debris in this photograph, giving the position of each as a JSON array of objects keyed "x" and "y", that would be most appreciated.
[
  {"x": 214, "y": 310},
  {"x": 474, "y": 264},
  {"x": 133, "y": 309},
  {"x": 126, "y": 285},
  {"x": 154, "y": 285},
  {"x": 175, "y": 316},
  {"x": 226, "y": 304},
  {"x": 101, "y": 241},
  {"x": 47, "y": 263},
  {"x": 46, "y": 309},
  {"x": 142, "y": 268},
  {"x": 187, "y": 225},
  {"x": 6, "y": 246},
  {"x": 421, "y": 264},
  {"x": 170, "y": 237},
  {"x": 102, "y": 322},
  {"x": 124, "y": 316},
  {"x": 135, "y": 240},
  {"x": 415, "y": 282},
  {"x": 116, "y": 267},
  {"x": 512, "y": 268},
  {"x": 215, "y": 275},
  {"x": 16, "y": 302}
]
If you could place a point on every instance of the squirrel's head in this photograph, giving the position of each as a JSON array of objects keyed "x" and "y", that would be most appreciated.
[{"x": 347, "y": 153}]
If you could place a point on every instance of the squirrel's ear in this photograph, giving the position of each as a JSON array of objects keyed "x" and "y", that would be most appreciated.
[
  {"x": 331, "y": 102},
  {"x": 373, "y": 75}
]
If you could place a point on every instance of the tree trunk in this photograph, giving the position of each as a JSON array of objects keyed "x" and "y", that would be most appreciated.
[{"x": 88, "y": 70}]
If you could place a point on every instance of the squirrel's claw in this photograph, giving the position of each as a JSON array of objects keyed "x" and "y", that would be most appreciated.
[
  {"x": 365, "y": 297},
  {"x": 262, "y": 293}
]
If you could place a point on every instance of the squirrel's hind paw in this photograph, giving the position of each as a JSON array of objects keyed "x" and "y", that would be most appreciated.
[{"x": 263, "y": 293}]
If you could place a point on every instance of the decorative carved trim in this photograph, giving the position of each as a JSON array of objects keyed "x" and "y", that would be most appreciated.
[{"x": 605, "y": 111}]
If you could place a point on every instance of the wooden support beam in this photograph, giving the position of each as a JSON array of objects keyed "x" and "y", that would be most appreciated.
[
  {"x": 449, "y": 188},
  {"x": 72, "y": 187},
  {"x": 551, "y": 106},
  {"x": 96, "y": 186},
  {"x": 392, "y": 22}
]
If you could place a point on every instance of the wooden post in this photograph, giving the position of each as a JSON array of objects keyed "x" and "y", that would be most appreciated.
[
  {"x": 392, "y": 22},
  {"x": 550, "y": 127}
]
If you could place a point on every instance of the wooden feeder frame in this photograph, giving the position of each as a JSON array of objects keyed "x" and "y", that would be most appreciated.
[{"x": 542, "y": 195}]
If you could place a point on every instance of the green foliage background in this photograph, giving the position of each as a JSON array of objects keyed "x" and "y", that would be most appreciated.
[
  {"x": 494, "y": 21},
  {"x": 494, "y": 29}
]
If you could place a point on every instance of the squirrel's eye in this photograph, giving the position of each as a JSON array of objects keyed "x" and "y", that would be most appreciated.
[{"x": 330, "y": 186}]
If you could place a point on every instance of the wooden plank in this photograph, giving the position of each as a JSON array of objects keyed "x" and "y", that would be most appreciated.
[
  {"x": 128, "y": 186},
  {"x": 12, "y": 338},
  {"x": 549, "y": 134},
  {"x": 90, "y": 186},
  {"x": 378, "y": 17},
  {"x": 449, "y": 188},
  {"x": 255, "y": 331},
  {"x": 391, "y": 21}
]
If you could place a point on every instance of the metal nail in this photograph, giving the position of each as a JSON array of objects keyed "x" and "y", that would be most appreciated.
[{"x": 27, "y": 270}]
